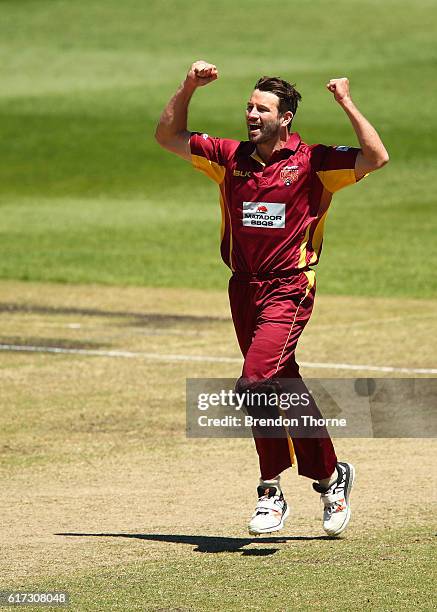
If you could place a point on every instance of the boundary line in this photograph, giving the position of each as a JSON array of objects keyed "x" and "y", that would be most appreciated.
[{"x": 201, "y": 358}]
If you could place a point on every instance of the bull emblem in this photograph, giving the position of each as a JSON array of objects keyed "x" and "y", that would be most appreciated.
[{"x": 289, "y": 174}]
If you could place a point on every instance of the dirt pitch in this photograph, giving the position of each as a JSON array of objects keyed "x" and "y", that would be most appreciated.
[{"x": 98, "y": 475}]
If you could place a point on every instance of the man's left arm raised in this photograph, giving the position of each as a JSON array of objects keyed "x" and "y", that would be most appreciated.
[{"x": 373, "y": 154}]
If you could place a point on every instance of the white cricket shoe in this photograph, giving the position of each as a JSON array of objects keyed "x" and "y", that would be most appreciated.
[
  {"x": 337, "y": 510},
  {"x": 270, "y": 512}
]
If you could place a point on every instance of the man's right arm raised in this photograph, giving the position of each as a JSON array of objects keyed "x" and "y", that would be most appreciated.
[{"x": 171, "y": 132}]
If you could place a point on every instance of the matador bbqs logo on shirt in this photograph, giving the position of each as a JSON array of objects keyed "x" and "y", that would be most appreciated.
[{"x": 264, "y": 214}]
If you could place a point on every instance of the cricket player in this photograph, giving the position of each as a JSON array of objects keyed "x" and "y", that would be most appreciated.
[{"x": 275, "y": 191}]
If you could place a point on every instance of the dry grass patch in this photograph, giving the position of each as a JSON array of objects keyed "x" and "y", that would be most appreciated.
[{"x": 95, "y": 447}]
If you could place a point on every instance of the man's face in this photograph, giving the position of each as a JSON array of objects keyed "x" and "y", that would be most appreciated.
[{"x": 262, "y": 117}]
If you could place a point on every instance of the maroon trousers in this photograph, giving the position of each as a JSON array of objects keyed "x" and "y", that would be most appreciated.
[{"x": 269, "y": 317}]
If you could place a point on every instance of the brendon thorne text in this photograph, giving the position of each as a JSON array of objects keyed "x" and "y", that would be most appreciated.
[{"x": 303, "y": 420}]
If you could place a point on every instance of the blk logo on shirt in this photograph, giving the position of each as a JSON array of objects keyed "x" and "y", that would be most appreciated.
[{"x": 242, "y": 173}]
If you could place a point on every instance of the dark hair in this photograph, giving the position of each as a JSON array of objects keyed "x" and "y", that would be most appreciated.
[{"x": 288, "y": 96}]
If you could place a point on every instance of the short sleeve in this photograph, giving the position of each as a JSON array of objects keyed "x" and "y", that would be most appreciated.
[
  {"x": 211, "y": 155},
  {"x": 335, "y": 166}
]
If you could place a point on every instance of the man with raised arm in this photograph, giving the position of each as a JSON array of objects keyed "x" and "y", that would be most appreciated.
[{"x": 275, "y": 192}]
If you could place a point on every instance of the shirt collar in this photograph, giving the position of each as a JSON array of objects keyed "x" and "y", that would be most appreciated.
[
  {"x": 292, "y": 145},
  {"x": 257, "y": 158},
  {"x": 293, "y": 142}
]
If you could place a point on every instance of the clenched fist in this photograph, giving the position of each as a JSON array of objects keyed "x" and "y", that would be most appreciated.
[
  {"x": 201, "y": 73},
  {"x": 340, "y": 89}
]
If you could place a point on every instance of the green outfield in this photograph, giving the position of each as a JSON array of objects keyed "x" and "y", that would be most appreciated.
[
  {"x": 109, "y": 251},
  {"x": 88, "y": 196}
]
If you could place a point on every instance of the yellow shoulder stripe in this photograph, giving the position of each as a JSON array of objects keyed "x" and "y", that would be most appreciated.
[
  {"x": 333, "y": 180},
  {"x": 210, "y": 168}
]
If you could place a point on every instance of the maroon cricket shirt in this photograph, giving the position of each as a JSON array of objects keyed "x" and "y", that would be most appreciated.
[{"x": 273, "y": 213}]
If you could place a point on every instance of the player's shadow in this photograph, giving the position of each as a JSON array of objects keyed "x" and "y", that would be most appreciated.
[{"x": 208, "y": 544}]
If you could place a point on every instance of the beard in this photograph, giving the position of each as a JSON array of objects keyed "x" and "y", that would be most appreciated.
[{"x": 265, "y": 133}]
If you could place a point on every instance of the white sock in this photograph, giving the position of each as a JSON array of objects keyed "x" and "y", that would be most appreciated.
[
  {"x": 273, "y": 482},
  {"x": 327, "y": 482}
]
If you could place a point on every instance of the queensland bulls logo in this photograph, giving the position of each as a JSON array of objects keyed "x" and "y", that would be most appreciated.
[{"x": 289, "y": 174}]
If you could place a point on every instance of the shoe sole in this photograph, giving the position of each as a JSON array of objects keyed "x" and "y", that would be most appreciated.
[
  {"x": 351, "y": 471},
  {"x": 271, "y": 529}
]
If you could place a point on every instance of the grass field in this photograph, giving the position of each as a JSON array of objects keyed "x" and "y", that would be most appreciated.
[
  {"x": 87, "y": 195},
  {"x": 110, "y": 245}
]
